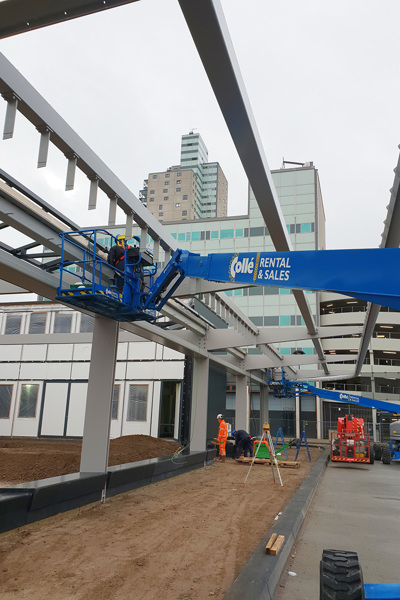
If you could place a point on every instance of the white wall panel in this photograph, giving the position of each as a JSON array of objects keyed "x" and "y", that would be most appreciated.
[
  {"x": 142, "y": 370},
  {"x": 82, "y": 351},
  {"x": 58, "y": 370},
  {"x": 170, "y": 370},
  {"x": 35, "y": 352},
  {"x": 142, "y": 351},
  {"x": 159, "y": 352},
  {"x": 80, "y": 370},
  {"x": 122, "y": 351},
  {"x": 10, "y": 352},
  {"x": 55, "y": 402},
  {"x": 9, "y": 370},
  {"x": 60, "y": 352},
  {"x": 172, "y": 354},
  {"x": 155, "y": 409},
  {"x": 120, "y": 370},
  {"x": 34, "y": 371},
  {"x": 76, "y": 410}
]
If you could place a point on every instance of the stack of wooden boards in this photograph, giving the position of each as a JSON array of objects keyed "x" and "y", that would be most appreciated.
[{"x": 274, "y": 544}]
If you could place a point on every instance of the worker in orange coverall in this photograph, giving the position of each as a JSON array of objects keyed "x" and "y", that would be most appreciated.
[{"x": 222, "y": 437}]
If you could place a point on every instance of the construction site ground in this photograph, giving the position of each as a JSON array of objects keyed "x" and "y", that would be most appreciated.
[{"x": 185, "y": 538}]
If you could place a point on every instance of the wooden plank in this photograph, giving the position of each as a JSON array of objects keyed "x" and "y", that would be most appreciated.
[
  {"x": 270, "y": 542},
  {"x": 266, "y": 461},
  {"x": 277, "y": 545}
]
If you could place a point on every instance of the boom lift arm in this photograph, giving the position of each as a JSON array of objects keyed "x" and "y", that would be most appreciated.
[{"x": 369, "y": 275}]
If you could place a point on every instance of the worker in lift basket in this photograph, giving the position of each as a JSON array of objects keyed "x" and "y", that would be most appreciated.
[
  {"x": 243, "y": 443},
  {"x": 222, "y": 437},
  {"x": 116, "y": 258}
]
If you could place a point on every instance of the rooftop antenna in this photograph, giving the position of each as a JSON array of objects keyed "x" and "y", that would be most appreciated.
[{"x": 192, "y": 130}]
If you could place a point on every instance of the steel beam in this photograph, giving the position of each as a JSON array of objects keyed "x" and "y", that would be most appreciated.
[
  {"x": 257, "y": 361},
  {"x": 210, "y": 34},
  {"x": 18, "y": 16},
  {"x": 39, "y": 112}
]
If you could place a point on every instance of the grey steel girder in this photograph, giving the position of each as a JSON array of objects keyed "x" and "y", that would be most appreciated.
[
  {"x": 210, "y": 34},
  {"x": 18, "y": 16},
  {"x": 256, "y": 361},
  {"x": 39, "y": 112},
  {"x": 222, "y": 338}
]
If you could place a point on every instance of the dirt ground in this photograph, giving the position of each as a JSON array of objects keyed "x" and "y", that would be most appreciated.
[{"x": 185, "y": 538}]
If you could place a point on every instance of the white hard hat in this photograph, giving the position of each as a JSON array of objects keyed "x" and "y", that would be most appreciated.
[{"x": 220, "y": 416}]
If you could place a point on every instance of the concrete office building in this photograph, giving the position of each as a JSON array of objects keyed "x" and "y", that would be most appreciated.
[{"x": 194, "y": 189}]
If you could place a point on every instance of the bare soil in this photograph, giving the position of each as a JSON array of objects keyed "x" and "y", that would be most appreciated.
[{"x": 185, "y": 538}]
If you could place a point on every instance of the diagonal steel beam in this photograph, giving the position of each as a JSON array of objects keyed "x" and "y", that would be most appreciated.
[
  {"x": 210, "y": 34},
  {"x": 18, "y": 16}
]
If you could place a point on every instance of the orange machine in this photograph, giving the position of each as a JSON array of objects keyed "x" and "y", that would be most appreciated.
[{"x": 351, "y": 444}]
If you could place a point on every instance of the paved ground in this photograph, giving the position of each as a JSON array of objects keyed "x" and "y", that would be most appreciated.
[{"x": 356, "y": 507}]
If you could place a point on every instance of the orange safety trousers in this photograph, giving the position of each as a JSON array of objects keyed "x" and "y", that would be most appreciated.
[{"x": 222, "y": 437}]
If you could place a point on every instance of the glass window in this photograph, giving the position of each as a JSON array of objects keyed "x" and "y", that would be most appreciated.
[
  {"x": 196, "y": 236},
  {"x": 238, "y": 292},
  {"x": 177, "y": 204},
  {"x": 5, "y": 401},
  {"x": 178, "y": 181},
  {"x": 166, "y": 182},
  {"x": 258, "y": 321},
  {"x": 188, "y": 237},
  {"x": 283, "y": 291},
  {"x": 284, "y": 350},
  {"x": 165, "y": 191},
  {"x": 160, "y": 214},
  {"x": 151, "y": 191},
  {"x": 184, "y": 213},
  {"x": 214, "y": 235},
  {"x": 178, "y": 174},
  {"x": 207, "y": 235},
  {"x": 160, "y": 207},
  {"x": 271, "y": 291},
  {"x": 167, "y": 175},
  {"x": 154, "y": 176},
  {"x": 298, "y": 228},
  {"x": 87, "y": 323},
  {"x": 28, "y": 401},
  {"x": 256, "y": 231},
  {"x": 181, "y": 237},
  {"x": 151, "y": 199},
  {"x": 226, "y": 233},
  {"x": 13, "y": 324},
  {"x": 137, "y": 403},
  {"x": 239, "y": 233},
  {"x": 184, "y": 197},
  {"x": 178, "y": 189},
  {"x": 165, "y": 198},
  {"x": 284, "y": 321},
  {"x": 37, "y": 323},
  {"x": 115, "y": 402},
  {"x": 305, "y": 228},
  {"x": 271, "y": 321},
  {"x": 256, "y": 291},
  {"x": 62, "y": 323},
  {"x": 174, "y": 235}
]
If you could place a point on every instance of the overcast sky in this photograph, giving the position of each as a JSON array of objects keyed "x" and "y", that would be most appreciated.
[{"x": 322, "y": 79}]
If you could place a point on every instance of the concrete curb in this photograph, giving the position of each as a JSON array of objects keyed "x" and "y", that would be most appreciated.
[{"x": 259, "y": 578}]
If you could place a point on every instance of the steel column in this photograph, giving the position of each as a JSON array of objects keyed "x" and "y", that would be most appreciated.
[
  {"x": 199, "y": 410},
  {"x": 242, "y": 418},
  {"x": 96, "y": 432}
]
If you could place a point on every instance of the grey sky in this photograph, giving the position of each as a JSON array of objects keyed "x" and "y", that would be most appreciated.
[{"x": 322, "y": 79}]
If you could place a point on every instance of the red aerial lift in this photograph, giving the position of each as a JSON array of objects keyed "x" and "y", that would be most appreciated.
[{"x": 351, "y": 444}]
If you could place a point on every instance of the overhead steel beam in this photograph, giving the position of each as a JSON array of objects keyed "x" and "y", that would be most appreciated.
[
  {"x": 218, "y": 339},
  {"x": 19, "y": 16},
  {"x": 256, "y": 361},
  {"x": 210, "y": 34}
]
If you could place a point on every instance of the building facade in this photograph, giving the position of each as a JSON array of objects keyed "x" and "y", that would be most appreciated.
[{"x": 194, "y": 189}]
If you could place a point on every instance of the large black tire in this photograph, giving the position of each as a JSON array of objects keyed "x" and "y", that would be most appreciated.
[
  {"x": 340, "y": 576},
  {"x": 386, "y": 456},
  {"x": 378, "y": 451},
  {"x": 371, "y": 455}
]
